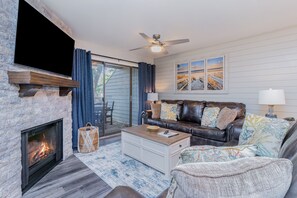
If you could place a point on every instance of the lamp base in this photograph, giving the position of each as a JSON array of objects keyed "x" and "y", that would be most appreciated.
[{"x": 270, "y": 113}]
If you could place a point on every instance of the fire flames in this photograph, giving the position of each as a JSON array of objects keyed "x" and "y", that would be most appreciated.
[
  {"x": 39, "y": 150},
  {"x": 44, "y": 150}
]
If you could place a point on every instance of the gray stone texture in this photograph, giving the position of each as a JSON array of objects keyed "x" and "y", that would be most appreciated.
[{"x": 17, "y": 114}]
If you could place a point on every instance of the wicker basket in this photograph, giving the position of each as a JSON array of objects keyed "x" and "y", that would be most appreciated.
[{"x": 88, "y": 139}]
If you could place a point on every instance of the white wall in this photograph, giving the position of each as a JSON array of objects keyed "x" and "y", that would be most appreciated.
[
  {"x": 135, "y": 97},
  {"x": 108, "y": 51},
  {"x": 255, "y": 63}
]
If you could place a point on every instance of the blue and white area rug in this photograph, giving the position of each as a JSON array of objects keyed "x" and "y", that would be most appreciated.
[{"x": 117, "y": 169}]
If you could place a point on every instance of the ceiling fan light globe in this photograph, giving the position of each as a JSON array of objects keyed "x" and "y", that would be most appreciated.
[{"x": 156, "y": 48}]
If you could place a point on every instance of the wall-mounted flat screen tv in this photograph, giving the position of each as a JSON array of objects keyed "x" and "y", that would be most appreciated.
[{"x": 41, "y": 44}]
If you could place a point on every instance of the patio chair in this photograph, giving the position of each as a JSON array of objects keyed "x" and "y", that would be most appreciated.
[
  {"x": 109, "y": 111},
  {"x": 98, "y": 113}
]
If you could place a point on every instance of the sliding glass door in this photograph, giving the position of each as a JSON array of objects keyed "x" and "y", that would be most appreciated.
[
  {"x": 98, "y": 86},
  {"x": 115, "y": 97}
]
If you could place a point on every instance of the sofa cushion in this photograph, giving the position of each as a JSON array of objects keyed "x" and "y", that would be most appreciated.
[
  {"x": 216, "y": 154},
  {"x": 209, "y": 133},
  {"x": 266, "y": 133},
  {"x": 225, "y": 117},
  {"x": 179, "y": 125},
  {"x": 179, "y": 106},
  {"x": 245, "y": 178},
  {"x": 192, "y": 111},
  {"x": 157, "y": 122},
  {"x": 210, "y": 115},
  {"x": 168, "y": 111},
  {"x": 239, "y": 107},
  {"x": 156, "y": 110}
]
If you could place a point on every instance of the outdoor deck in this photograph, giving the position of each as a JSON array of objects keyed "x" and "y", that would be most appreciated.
[{"x": 112, "y": 129}]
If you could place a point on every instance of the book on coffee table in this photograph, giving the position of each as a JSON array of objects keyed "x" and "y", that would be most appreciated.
[{"x": 167, "y": 134}]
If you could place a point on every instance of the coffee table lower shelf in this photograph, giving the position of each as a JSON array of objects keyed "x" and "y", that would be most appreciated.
[{"x": 162, "y": 157}]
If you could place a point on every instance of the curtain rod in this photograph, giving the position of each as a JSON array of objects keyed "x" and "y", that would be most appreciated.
[{"x": 114, "y": 58}]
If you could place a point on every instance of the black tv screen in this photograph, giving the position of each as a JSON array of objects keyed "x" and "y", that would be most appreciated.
[{"x": 41, "y": 44}]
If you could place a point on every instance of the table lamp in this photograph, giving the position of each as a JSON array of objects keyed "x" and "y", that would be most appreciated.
[
  {"x": 152, "y": 97},
  {"x": 272, "y": 97}
]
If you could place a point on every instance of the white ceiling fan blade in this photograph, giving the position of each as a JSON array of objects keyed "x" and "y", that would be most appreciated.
[
  {"x": 144, "y": 47},
  {"x": 175, "y": 42},
  {"x": 147, "y": 38}
]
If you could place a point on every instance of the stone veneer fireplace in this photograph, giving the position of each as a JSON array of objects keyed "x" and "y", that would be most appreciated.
[
  {"x": 18, "y": 114},
  {"x": 42, "y": 150}
]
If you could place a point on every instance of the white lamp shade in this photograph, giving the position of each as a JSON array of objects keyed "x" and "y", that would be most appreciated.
[
  {"x": 272, "y": 97},
  {"x": 152, "y": 96}
]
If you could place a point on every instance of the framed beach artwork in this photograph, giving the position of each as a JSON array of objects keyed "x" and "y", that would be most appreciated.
[
  {"x": 197, "y": 75},
  {"x": 182, "y": 77},
  {"x": 201, "y": 75},
  {"x": 215, "y": 73}
]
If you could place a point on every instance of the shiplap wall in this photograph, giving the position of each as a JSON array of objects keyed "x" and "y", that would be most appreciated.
[
  {"x": 261, "y": 62},
  {"x": 117, "y": 90},
  {"x": 135, "y": 96}
]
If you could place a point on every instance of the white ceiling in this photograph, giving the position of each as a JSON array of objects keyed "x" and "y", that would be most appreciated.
[{"x": 116, "y": 23}]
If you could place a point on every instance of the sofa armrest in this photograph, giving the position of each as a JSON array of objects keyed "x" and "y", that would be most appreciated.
[
  {"x": 231, "y": 143},
  {"x": 234, "y": 129},
  {"x": 145, "y": 115},
  {"x": 123, "y": 192}
]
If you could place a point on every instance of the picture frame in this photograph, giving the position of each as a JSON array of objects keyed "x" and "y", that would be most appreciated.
[
  {"x": 201, "y": 75},
  {"x": 182, "y": 75},
  {"x": 215, "y": 73},
  {"x": 197, "y": 75}
]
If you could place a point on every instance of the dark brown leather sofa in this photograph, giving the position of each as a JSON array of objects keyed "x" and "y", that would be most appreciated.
[
  {"x": 189, "y": 116},
  {"x": 288, "y": 150}
]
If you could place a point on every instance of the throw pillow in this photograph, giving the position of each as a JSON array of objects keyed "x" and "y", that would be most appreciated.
[
  {"x": 246, "y": 177},
  {"x": 266, "y": 133},
  {"x": 226, "y": 116},
  {"x": 216, "y": 154},
  {"x": 168, "y": 111},
  {"x": 192, "y": 111},
  {"x": 179, "y": 106},
  {"x": 156, "y": 110},
  {"x": 209, "y": 117}
]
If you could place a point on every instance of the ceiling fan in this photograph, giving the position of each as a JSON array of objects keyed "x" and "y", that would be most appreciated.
[{"x": 159, "y": 46}]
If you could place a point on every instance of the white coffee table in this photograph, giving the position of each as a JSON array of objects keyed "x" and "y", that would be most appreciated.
[{"x": 158, "y": 152}]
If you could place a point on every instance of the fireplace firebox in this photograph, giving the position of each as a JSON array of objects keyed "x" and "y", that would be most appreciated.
[{"x": 42, "y": 150}]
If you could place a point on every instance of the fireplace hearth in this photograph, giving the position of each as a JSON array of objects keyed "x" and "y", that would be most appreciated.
[{"x": 41, "y": 151}]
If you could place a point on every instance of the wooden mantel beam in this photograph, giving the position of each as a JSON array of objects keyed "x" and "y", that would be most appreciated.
[{"x": 30, "y": 82}]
